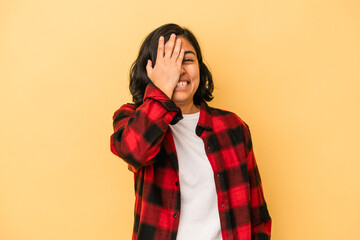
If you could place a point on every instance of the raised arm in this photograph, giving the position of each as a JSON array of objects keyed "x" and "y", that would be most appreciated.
[{"x": 138, "y": 132}]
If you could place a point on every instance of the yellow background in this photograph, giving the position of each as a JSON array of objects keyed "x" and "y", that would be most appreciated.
[{"x": 290, "y": 69}]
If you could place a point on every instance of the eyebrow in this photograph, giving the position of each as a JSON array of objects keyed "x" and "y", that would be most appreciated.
[{"x": 186, "y": 52}]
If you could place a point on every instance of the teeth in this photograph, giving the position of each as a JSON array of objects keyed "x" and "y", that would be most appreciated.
[{"x": 182, "y": 84}]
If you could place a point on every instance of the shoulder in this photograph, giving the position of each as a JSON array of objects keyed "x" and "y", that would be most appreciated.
[
  {"x": 230, "y": 119},
  {"x": 230, "y": 123}
]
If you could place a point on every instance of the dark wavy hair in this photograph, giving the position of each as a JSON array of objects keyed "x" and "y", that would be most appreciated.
[{"x": 138, "y": 76}]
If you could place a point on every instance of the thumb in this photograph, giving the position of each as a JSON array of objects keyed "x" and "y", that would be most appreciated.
[{"x": 149, "y": 68}]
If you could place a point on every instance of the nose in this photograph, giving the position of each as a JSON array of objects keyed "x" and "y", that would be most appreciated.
[{"x": 182, "y": 70}]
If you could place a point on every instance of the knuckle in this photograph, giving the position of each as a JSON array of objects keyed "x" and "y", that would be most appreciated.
[
  {"x": 169, "y": 42},
  {"x": 168, "y": 47}
]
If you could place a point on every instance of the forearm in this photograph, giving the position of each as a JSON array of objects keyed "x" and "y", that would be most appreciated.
[{"x": 138, "y": 132}]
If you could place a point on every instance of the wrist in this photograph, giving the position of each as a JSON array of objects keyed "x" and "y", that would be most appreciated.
[{"x": 167, "y": 90}]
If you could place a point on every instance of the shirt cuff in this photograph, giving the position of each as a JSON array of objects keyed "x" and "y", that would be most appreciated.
[{"x": 153, "y": 92}]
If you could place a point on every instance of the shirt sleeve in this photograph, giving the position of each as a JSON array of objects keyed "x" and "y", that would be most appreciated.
[
  {"x": 138, "y": 132},
  {"x": 260, "y": 218}
]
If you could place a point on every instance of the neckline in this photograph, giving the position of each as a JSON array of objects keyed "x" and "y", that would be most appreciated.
[{"x": 191, "y": 116}]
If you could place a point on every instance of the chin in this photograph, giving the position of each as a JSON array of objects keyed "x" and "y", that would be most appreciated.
[{"x": 181, "y": 101}]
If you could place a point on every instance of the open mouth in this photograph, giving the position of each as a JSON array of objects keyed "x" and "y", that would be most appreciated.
[{"x": 182, "y": 83}]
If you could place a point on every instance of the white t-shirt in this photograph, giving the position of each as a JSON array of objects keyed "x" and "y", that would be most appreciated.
[{"x": 199, "y": 214}]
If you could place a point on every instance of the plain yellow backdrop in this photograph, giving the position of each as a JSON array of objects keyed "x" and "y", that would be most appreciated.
[{"x": 290, "y": 69}]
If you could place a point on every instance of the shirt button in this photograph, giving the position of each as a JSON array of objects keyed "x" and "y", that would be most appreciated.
[
  {"x": 177, "y": 183},
  {"x": 218, "y": 174},
  {"x": 222, "y": 205},
  {"x": 175, "y": 215}
]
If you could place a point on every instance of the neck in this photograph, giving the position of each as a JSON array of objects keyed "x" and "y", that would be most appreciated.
[{"x": 189, "y": 109}]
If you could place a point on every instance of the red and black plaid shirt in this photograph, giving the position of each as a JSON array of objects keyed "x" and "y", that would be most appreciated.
[{"x": 142, "y": 138}]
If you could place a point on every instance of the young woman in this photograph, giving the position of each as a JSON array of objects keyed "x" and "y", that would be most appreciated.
[{"x": 194, "y": 168}]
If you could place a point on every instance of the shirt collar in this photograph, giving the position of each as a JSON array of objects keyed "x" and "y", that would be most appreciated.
[{"x": 205, "y": 121}]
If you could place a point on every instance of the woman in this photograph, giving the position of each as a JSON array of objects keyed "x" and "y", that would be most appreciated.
[{"x": 194, "y": 166}]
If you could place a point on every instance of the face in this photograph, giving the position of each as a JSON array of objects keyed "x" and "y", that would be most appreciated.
[{"x": 189, "y": 79}]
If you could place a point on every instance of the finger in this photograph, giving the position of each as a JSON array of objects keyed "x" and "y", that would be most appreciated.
[
  {"x": 169, "y": 46},
  {"x": 160, "y": 52},
  {"x": 177, "y": 48},
  {"x": 181, "y": 57},
  {"x": 149, "y": 68}
]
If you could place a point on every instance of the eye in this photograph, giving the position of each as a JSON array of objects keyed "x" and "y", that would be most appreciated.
[{"x": 187, "y": 60}]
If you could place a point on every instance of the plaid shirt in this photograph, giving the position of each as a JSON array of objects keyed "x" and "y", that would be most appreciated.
[{"x": 142, "y": 138}]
